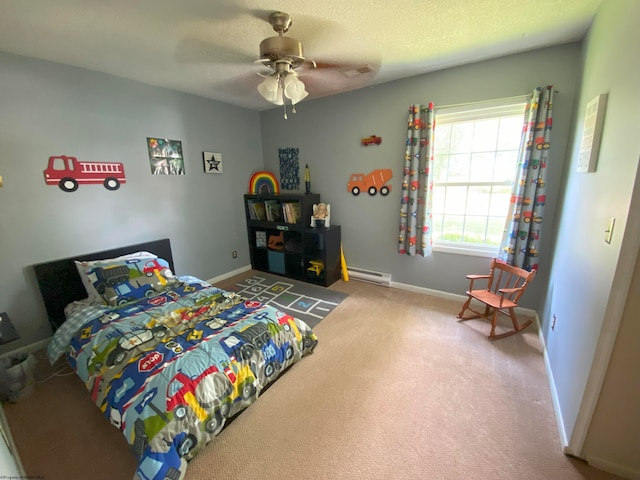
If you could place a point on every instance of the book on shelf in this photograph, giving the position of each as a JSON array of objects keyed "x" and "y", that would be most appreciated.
[
  {"x": 291, "y": 212},
  {"x": 257, "y": 210},
  {"x": 261, "y": 238},
  {"x": 273, "y": 210}
]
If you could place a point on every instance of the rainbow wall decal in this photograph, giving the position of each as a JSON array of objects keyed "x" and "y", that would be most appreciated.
[{"x": 263, "y": 182}]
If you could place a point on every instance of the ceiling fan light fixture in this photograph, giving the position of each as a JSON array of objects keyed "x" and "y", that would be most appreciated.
[
  {"x": 294, "y": 89},
  {"x": 270, "y": 89}
]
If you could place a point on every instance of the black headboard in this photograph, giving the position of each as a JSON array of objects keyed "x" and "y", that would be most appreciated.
[{"x": 60, "y": 283}]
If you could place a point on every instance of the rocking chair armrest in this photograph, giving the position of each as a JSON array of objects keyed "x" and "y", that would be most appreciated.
[
  {"x": 476, "y": 277},
  {"x": 507, "y": 291}
]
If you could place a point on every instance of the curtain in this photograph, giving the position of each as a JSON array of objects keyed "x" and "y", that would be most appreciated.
[
  {"x": 417, "y": 183},
  {"x": 520, "y": 241}
]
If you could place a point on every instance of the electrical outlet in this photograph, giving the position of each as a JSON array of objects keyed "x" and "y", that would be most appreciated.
[
  {"x": 234, "y": 254},
  {"x": 553, "y": 321}
]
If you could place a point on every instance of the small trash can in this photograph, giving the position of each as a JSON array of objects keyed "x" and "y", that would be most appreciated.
[{"x": 17, "y": 376}]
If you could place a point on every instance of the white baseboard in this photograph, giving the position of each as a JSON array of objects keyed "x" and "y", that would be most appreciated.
[
  {"x": 611, "y": 467},
  {"x": 564, "y": 440},
  {"x": 233, "y": 273},
  {"x": 457, "y": 297}
]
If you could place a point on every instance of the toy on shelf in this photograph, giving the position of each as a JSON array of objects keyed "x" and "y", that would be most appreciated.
[
  {"x": 307, "y": 180},
  {"x": 315, "y": 266},
  {"x": 321, "y": 215},
  {"x": 276, "y": 242},
  {"x": 263, "y": 183}
]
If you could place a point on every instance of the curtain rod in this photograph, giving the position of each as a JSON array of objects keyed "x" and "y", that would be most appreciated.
[{"x": 515, "y": 97}]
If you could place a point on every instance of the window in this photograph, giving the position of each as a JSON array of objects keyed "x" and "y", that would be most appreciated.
[{"x": 475, "y": 155}]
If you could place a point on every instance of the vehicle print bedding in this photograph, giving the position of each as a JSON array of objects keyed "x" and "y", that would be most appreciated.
[{"x": 170, "y": 370}]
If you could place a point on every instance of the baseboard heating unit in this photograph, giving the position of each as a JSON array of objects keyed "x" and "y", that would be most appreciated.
[{"x": 378, "y": 278}]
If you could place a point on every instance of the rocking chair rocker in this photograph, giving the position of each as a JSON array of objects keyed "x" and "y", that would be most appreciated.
[{"x": 505, "y": 285}]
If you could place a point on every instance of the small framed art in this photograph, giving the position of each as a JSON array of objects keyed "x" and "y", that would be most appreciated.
[{"x": 212, "y": 162}]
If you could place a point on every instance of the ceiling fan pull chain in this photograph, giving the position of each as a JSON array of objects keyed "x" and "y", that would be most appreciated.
[{"x": 284, "y": 107}]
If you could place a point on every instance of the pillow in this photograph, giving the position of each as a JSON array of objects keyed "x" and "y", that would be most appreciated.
[
  {"x": 128, "y": 279},
  {"x": 84, "y": 266}
]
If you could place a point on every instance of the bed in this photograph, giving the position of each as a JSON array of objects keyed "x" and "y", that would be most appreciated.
[{"x": 169, "y": 360}]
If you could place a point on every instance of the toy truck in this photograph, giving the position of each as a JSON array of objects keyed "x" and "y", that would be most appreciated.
[
  {"x": 371, "y": 182},
  {"x": 68, "y": 172}
]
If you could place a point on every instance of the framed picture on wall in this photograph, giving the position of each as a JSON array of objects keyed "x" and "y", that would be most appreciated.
[
  {"x": 165, "y": 156},
  {"x": 212, "y": 162}
]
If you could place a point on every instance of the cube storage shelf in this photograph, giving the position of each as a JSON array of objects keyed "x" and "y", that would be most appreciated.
[{"x": 282, "y": 242}]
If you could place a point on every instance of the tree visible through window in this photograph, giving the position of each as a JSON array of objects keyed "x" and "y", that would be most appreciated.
[{"x": 475, "y": 156}]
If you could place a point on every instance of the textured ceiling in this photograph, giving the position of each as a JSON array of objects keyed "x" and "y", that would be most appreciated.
[{"x": 208, "y": 47}]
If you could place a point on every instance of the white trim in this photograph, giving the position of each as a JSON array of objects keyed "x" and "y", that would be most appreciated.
[
  {"x": 555, "y": 399},
  {"x": 11, "y": 445},
  {"x": 627, "y": 258},
  {"x": 464, "y": 249},
  {"x": 32, "y": 347},
  {"x": 454, "y": 296},
  {"x": 505, "y": 107},
  {"x": 233, "y": 273},
  {"x": 616, "y": 469}
]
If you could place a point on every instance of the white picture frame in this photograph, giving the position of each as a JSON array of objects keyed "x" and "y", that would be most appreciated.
[
  {"x": 212, "y": 162},
  {"x": 591, "y": 134}
]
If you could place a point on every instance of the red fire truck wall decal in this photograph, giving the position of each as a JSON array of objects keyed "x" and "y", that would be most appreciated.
[{"x": 68, "y": 173}]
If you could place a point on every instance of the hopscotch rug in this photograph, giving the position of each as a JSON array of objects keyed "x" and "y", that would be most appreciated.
[{"x": 305, "y": 301}]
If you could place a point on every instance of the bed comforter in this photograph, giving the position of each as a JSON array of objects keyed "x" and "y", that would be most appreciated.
[{"x": 170, "y": 370}]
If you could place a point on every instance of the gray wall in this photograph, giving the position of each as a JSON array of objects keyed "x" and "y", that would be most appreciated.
[
  {"x": 590, "y": 279},
  {"x": 328, "y": 131},
  {"x": 51, "y": 109}
]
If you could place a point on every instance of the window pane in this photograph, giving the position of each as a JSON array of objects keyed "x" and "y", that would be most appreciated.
[
  {"x": 495, "y": 229},
  {"x": 442, "y": 137},
  {"x": 452, "y": 228},
  {"x": 485, "y": 135},
  {"x": 436, "y": 224},
  {"x": 474, "y": 230},
  {"x": 440, "y": 166},
  {"x": 459, "y": 166},
  {"x": 439, "y": 195},
  {"x": 482, "y": 167},
  {"x": 478, "y": 201},
  {"x": 461, "y": 137},
  {"x": 505, "y": 166},
  {"x": 455, "y": 200},
  {"x": 475, "y": 158},
  {"x": 510, "y": 133},
  {"x": 499, "y": 205}
]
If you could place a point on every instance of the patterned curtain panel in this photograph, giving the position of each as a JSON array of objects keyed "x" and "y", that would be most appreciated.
[
  {"x": 417, "y": 183},
  {"x": 523, "y": 227}
]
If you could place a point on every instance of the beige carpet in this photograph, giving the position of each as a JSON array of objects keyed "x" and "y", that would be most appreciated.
[{"x": 396, "y": 389}]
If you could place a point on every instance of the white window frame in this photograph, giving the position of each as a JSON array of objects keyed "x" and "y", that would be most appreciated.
[{"x": 468, "y": 112}]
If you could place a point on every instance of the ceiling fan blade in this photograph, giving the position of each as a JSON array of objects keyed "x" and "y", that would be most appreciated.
[{"x": 329, "y": 79}]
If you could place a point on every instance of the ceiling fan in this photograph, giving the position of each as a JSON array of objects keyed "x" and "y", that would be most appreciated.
[{"x": 283, "y": 56}]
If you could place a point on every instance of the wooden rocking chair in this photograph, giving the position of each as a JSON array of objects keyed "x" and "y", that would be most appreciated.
[{"x": 505, "y": 285}]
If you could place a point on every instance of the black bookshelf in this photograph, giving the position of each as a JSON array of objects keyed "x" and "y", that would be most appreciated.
[{"x": 282, "y": 242}]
